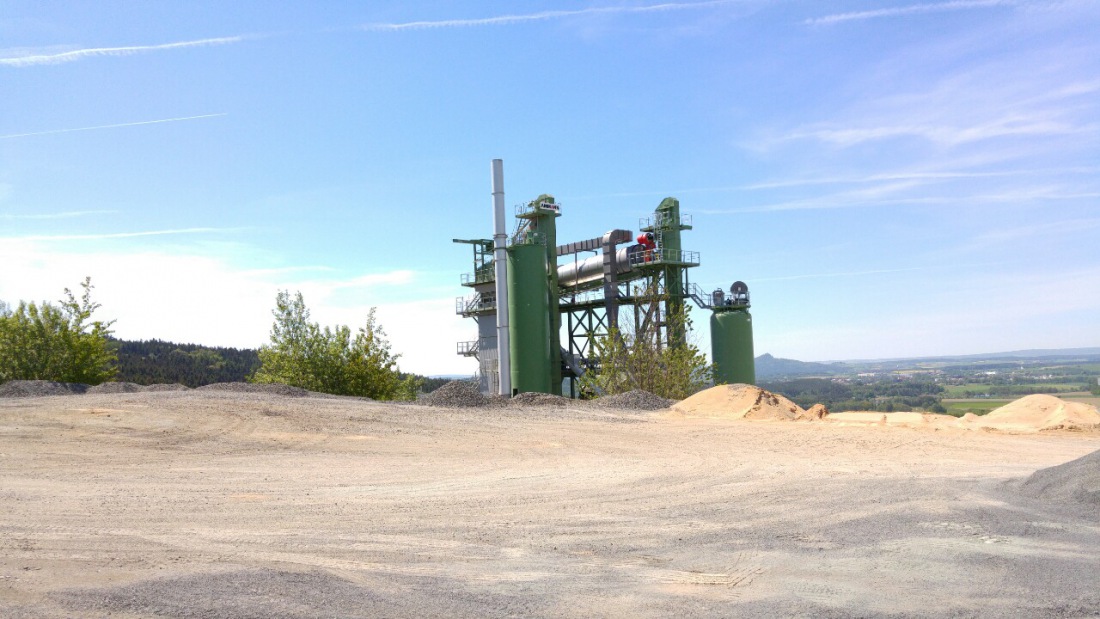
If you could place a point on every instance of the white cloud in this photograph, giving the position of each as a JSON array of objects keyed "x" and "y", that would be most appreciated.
[
  {"x": 203, "y": 299},
  {"x": 30, "y": 58},
  {"x": 505, "y": 20},
  {"x": 114, "y": 235}
]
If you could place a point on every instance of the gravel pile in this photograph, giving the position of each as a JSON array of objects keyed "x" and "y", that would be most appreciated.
[
  {"x": 271, "y": 388},
  {"x": 539, "y": 399},
  {"x": 459, "y": 394},
  {"x": 166, "y": 387},
  {"x": 114, "y": 387},
  {"x": 39, "y": 388},
  {"x": 637, "y": 399},
  {"x": 1075, "y": 481}
]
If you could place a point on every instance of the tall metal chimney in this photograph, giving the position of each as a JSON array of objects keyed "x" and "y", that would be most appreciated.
[{"x": 500, "y": 265}]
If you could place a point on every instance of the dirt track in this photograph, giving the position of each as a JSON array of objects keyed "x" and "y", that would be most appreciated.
[{"x": 205, "y": 504}]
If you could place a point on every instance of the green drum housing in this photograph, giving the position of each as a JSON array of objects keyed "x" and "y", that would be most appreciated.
[
  {"x": 731, "y": 346},
  {"x": 529, "y": 319}
]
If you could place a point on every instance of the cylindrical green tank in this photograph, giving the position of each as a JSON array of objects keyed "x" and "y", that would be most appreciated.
[
  {"x": 529, "y": 319},
  {"x": 731, "y": 346}
]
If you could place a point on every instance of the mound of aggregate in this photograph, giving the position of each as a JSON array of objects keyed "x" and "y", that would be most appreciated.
[
  {"x": 271, "y": 388},
  {"x": 39, "y": 388},
  {"x": 538, "y": 399},
  {"x": 113, "y": 387},
  {"x": 166, "y": 387},
  {"x": 1075, "y": 481},
  {"x": 459, "y": 394},
  {"x": 636, "y": 399}
]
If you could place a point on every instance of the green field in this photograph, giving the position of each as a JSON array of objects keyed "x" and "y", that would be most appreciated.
[
  {"x": 959, "y": 391},
  {"x": 958, "y": 408}
]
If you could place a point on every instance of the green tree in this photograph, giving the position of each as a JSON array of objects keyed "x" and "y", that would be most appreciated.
[
  {"x": 56, "y": 342},
  {"x": 639, "y": 359},
  {"x": 303, "y": 354}
]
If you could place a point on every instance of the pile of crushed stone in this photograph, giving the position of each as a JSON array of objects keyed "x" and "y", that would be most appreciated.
[
  {"x": 459, "y": 394},
  {"x": 635, "y": 399},
  {"x": 1075, "y": 481},
  {"x": 538, "y": 399},
  {"x": 166, "y": 387},
  {"x": 120, "y": 387},
  {"x": 271, "y": 388},
  {"x": 741, "y": 402},
  {"x": 39, "y": 388}
]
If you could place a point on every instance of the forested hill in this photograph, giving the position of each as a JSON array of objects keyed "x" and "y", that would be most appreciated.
[{"x": 157, "y": 361}]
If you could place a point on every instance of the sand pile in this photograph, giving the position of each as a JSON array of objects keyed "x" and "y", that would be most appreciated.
[
  {"x": 1041, "y": 412},
  {"x": 740, "y": 402},
  {"x": 1077, "y": 480}
]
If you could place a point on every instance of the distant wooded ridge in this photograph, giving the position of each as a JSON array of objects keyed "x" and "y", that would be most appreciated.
[{"x": 149, "y": 362}]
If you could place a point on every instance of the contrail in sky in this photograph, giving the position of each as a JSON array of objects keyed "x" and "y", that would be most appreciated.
[
  {"x": 116, "y": 235},
  {"x": 62, "y": 215},
  {"x": 501, "y": 20},
  {"x": 79, "y": 54},
  {"x": 936, "y": 7},
  {"x": 143, "y": 122}
]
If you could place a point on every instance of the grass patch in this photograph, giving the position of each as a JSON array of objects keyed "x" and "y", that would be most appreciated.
[{"x": 958, "y": 408}]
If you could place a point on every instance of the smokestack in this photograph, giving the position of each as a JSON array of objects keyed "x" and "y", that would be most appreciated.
[{"x": 500, "y": 265}]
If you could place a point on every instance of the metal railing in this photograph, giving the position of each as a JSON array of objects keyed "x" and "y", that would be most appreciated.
[
  {"x": 664, "y": 221},
  {"x": 478, "y": 277},
  {"x": 664, "y": 256},
  {"x": 475, "y": 303},
  {"x": 468, "y": 349}
]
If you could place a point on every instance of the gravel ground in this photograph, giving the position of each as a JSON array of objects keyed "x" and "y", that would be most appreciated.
[
  {"x": 116, "y": 387},
  {"x": 224, "y": 504}
]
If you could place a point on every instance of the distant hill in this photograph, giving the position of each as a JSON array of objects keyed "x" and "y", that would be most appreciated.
[{"x": 768, "y": 366}]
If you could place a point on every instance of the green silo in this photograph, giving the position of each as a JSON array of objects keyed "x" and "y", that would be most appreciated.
[
  {"x": 731, "y": 337},
  {"x": 529, "y": 318}
]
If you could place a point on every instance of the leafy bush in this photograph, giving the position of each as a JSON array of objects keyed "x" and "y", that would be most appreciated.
[
  {"x": 56, "y": 342},
  {"x": 302, "y": 354},
  {"x": 628, "y": 360}
]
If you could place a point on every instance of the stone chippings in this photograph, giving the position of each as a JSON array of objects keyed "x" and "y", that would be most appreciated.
[
  {"x": 538, "y": 399},
  {"x": 636, "y": 399},
  {"x": 1075, "y": 481},
  {"x": 270, "y": 388},
  {"x": 39, "y": 388},
  {"x": 113, "y": 387},
  {"x": 460, "y": 394}
]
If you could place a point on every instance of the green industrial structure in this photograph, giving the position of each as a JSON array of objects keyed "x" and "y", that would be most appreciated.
[{"x": 557, "y": 301}]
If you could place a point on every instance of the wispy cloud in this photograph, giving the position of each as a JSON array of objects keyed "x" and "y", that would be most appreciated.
[
  {"x": 912, "y": 9},
  {"x": 504, "y": 20},
  {"x": 29, "y": 59},
  {"x": 115, "y": 235},
  {"x": 828, "y": 275},
  {"x": 61, "y": 215},
  {"x": 945, "y": 134},
  {"x": 114, "y": 126}
]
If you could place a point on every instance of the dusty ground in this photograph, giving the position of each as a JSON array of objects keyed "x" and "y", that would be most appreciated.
[{"x": 205, "y": 504}]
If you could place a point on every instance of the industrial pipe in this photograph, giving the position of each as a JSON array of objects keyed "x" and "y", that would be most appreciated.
[
  {"x": 500, "y": 266},
  {"x": 590, "y": 270}
]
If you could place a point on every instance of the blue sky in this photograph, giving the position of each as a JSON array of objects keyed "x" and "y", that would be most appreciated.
[{"x": 890, "y": 178}]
